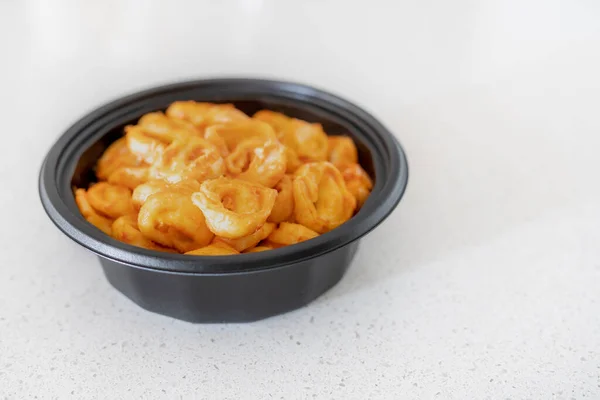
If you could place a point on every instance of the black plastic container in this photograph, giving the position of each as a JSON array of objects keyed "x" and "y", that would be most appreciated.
[{"x": 243, "y": 287}]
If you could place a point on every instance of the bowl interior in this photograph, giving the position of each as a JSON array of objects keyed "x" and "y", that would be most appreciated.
[
  {"x": 83, "y": 173},
  {"x": 70, "y": 163}
]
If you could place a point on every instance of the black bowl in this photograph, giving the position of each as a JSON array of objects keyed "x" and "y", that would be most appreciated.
[{"x": 243, "y": 287}]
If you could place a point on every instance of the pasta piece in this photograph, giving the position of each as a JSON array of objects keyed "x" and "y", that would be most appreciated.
[
  {"x": 191, "y": 111},
  {"x": 110, "y": 200},
  {"x": 171, "y": 219},
  {"x": 189, "y": 158},
  {"x": 322, "y": 201},
  {"x": 254, "y": 161},
  {"x": 88, "y": 212},
  {"x": 167, "y": 129},
  {"x": 125, "y": 229},
  {"x": 142, "y": 192},
  {"x": 119, "y": 166},
  {"x": 307, "y": 140},
  {"x": 258, "y": 249},
  {"x": 277, "y": 120},
  {"x": 287, "y": 234},
  {"x": 358, "y": 182},
  {"x": 129, "y": 177},
  {"x": 234, "y": 133},
  {"x": 215, "y": 249},
  {"x": 251, "y": 240},
  {"x": 115, "y": 157},
  {"x": 293, "y": 162},
  {"x": 284, "y": 203},
  {"x": 234, "y": 208},
  {"x": 341, "y": 150},
  {"x": 153, "y": 133},
  {"x": 204, "y": 114}
]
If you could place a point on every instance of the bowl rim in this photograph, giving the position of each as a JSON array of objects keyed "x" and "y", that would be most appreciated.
[{"x": 384, "y": 198}]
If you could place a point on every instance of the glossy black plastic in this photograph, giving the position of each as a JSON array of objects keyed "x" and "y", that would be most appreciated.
[{"x": 244, "y": 287}]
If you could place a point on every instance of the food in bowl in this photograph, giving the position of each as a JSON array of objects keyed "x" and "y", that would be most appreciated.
[
  {"x": 257, "y": 283},
  {"x": 207, "y": 179}
]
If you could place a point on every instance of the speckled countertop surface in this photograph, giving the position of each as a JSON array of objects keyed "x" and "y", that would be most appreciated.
[{"x": 484, "y": 283}]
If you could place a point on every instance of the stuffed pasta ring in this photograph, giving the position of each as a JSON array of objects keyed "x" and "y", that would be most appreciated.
[
  {"x": 90, "y": 214},
  {"x": 258, "y": 162},
  {"x": 358, "y": 182},
  {"x": 322, "y": 201},
  {"x": 288, "y": 233},
  {"x": 341, "y": 150},
  {"x": 188, "y": 158},
  {"x": 204, "y": 114},
  {"x": 125, "y": 229},
  {"x": 234, "y": 208},
  {"x": 110, "y": 200},
  {"x": 169, "y": 218},
  {"x": 154, "y": 132},
  {"x": 283, "y": 209},
  {"x": 307, "y": 141}
]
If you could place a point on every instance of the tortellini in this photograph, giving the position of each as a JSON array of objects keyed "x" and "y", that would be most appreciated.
[
  {"x": 202, "y": 115},
  {"x": 169, "y": 218},
  {"x": 90, "y": 214},
  {"x": 110, "y": 200},
  {"x": 126, "y": 230},
  {"x": 142, "y": 192},
  {"x": 288, "y": 233},
  {"x": 206, "y": 179},
  {"x": 153, "y": 133},
  {"x": 251, "y": 240},
  {"x": 188, "y": 158},
  {"x": 234, "y": 208},
  {"x": 358, "y": 182},
  {"x": 283, "y": 209},
  {"x": 322, "y": 200},
  {"x": 263, "y": 163},
  {"x": 341, "y": 150},
  {"x": 258, "y": 249},
  {"x": 307, "y": 140},
  {"x": 214, "y": 249},
  {"x": 116, "y": 158}
]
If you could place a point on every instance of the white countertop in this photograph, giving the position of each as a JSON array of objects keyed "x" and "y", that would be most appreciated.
[{"x": 485, "y": 281}]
